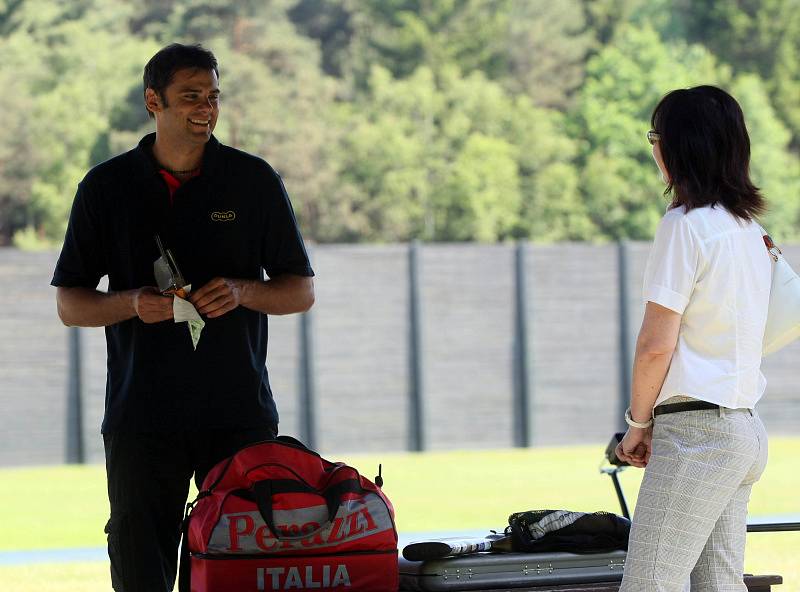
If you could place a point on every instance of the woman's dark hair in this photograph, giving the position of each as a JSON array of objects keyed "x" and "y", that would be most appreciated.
[
  {"x": 706, "y": 149},
  {"x": 161, "y": 68}
]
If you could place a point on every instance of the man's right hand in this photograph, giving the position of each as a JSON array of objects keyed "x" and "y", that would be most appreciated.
[{"x": 151, "y": 306}]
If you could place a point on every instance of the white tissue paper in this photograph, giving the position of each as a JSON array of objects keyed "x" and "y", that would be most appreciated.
[{"x": 185, "y": 312}]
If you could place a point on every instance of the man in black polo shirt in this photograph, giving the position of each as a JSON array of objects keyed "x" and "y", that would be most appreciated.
[{"x": 173, "y": 411}]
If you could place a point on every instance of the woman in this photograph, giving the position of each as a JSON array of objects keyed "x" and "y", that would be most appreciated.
[{"x": 696, "y": 373}]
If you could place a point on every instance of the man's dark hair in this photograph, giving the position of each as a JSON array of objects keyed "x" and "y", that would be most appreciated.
[
  {"x": 161, "y": 68},
  {"x": 706, "y": 149}
]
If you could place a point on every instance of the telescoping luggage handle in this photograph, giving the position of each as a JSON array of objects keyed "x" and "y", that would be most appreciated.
[{"x": 266, "y": 488}]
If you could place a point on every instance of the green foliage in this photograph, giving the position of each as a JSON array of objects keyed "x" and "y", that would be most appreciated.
[
  {"x": 606, "y": 15},
  {"x": 625, "y": 81},
  {"x": 484, "y": 185},
  {"x": 410, "y": 33},
  {"x": 332, "y": 24},
  {"x": 755, "y": 37},
  {"x": 30, "y": 239},
  {"x": 546, "y": 44},
  {"x": 52, "y": 58},
  {"x": 447, "y": 120},
  {"x": 18, "y": 154},
  {"x": 774, "y": 169},
  {"x": 451, "y": 157}
]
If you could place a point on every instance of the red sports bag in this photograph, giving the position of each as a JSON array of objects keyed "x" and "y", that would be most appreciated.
[{"x": 277, "y": 516}]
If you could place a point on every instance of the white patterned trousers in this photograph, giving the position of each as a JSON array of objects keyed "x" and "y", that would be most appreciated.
[{"x": 691, "y": 514}]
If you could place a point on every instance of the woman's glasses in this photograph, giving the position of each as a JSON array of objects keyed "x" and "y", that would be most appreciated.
[{"x": 653, "y": 136}]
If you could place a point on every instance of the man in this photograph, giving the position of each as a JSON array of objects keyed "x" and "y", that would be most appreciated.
[{"x": 173, "y": 411}]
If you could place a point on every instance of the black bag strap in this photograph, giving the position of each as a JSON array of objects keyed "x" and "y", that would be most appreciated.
[{"x": 266, "y": 488}]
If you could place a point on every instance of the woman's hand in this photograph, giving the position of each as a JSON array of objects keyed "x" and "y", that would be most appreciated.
[{"x": 636, "y": 446}]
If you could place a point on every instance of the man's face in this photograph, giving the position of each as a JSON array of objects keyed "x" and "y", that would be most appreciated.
[{"x": 190, "y": 107}]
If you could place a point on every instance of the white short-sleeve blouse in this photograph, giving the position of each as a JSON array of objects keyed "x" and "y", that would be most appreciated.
[{"x": 713, "y": 268}]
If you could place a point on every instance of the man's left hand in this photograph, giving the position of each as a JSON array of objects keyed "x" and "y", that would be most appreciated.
[{"x": 217, "y": 297}]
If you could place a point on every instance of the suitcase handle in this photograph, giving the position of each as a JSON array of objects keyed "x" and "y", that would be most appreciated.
[{"x": 266, "y": 488}]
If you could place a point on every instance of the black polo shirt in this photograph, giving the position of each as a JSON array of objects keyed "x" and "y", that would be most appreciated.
[{"x": 233, "y": 220}]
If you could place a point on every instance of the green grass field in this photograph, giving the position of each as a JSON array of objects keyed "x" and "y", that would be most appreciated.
[{"x": 65, "y": 507}]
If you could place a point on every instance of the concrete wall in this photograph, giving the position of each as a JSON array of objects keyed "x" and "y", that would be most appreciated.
[{"x": 361, "y": 359}]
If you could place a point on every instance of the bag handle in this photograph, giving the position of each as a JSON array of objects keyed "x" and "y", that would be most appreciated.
[
  {"x": 772, "y": 248},
  {"x": 284, "y": 440},
  {"x": 266, "y": 488}
]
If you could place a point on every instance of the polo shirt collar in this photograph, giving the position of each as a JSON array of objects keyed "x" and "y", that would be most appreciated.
[{"x": 144, "y": 154}]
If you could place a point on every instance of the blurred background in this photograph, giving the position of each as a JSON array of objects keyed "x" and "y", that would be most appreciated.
[
  {"x": 475, "y": 186},
  {"x": 472, "y": 177},
  {"x": 395, "y": 120}
]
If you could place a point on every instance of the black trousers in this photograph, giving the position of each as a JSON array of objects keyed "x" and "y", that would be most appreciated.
[{"x": 148, "y": 483}]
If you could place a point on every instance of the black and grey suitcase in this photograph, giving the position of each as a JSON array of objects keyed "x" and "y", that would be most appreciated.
[{"x": 510, "y": 570}]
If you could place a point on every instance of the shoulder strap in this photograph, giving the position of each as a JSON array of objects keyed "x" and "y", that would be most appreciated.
[
  {"x": 772, "y": 248},
  {"x": 770, "y": 243}
]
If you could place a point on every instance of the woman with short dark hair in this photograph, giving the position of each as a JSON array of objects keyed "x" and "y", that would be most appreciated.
[{"x": 696, "y": 374}]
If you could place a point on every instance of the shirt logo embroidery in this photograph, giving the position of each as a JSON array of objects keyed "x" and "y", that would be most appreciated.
[{"x": 228, "y": 216}]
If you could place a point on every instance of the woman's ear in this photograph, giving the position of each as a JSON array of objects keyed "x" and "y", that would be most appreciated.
[{"x": 659, "y": 158}]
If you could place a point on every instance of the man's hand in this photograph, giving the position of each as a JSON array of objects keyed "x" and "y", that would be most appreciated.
[
  {"x": 151, "y": 306},
  {"x": 283, "y": 294},
  {"x": 636, "y": 446},
  {"x": 217, "y": 297}
]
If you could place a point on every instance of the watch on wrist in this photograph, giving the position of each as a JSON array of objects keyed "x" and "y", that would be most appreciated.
[{"x": 637, "y": 424}]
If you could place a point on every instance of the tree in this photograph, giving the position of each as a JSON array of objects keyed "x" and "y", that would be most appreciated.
[
  {"x": 51, "y": 60},
  {"x": 773, "y": 167},
  {"x": 545, "y": 47},
  {"x": 399, "y": 119},
  {"x": 534, "y": 46},
  {"x": 624, "y": 82},
  {"x": 754, "y": 37},
  {"x": 606, "y": 16},
  {"x": 334, "y": 25},
  {"x": 18, "y": 157},
  {"x": 455, "y": 157},
  {"x": 406, "y": 34}
]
